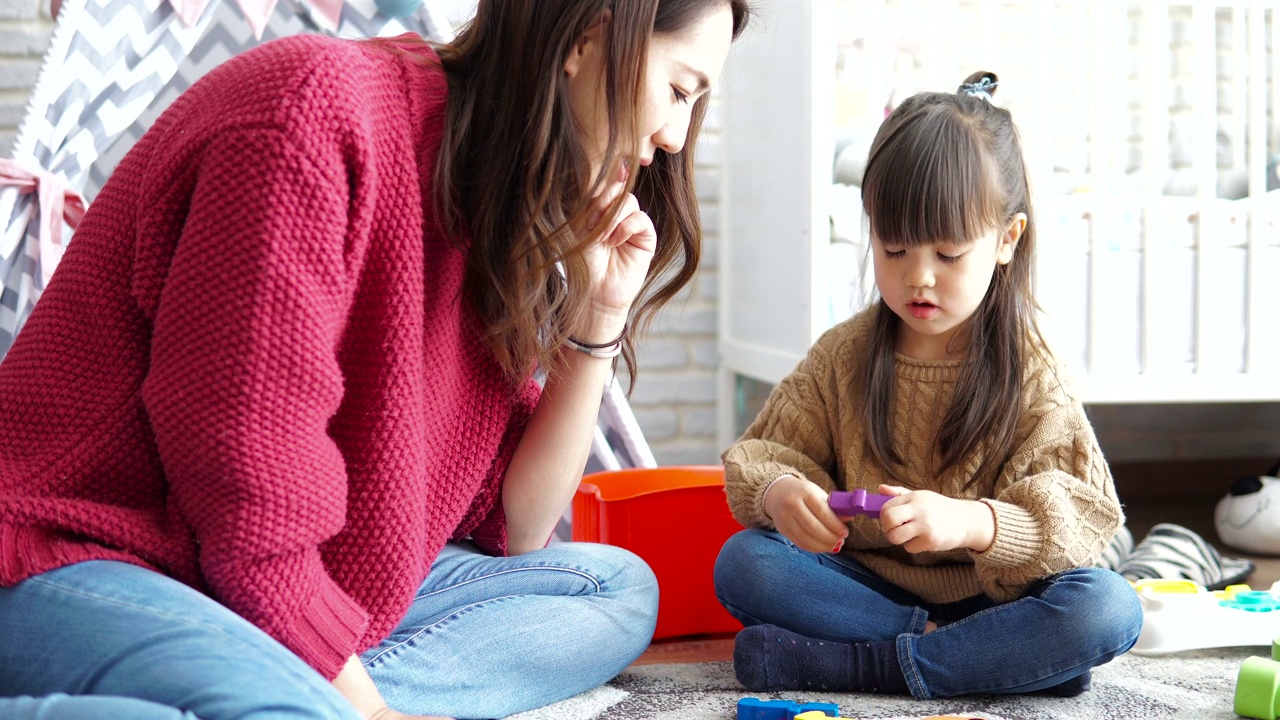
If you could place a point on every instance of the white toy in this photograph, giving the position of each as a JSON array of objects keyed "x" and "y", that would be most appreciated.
[
  {"x": 1182, "y": 615},
  {"x": 1248, "y": 517}
]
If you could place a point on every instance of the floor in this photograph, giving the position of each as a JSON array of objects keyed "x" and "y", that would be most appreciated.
[{"x": 1179, "y": 492}]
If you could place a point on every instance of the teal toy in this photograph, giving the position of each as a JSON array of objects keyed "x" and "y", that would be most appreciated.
[{"x": 1258, "y": 601}]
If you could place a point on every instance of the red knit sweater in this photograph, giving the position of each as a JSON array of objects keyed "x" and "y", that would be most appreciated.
[{"x": 253, "y": 371}]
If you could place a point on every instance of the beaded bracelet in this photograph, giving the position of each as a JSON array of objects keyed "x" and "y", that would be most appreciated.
[{"x": 603, "y": 351}]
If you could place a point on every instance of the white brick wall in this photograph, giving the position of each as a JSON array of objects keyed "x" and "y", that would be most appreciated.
[{"x": 25, "y": 27}]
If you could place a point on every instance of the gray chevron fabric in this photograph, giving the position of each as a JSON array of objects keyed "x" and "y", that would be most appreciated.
[
  {"x": 112, "y": 67},
  {"x": 228, "y": 34},
  {"x": 105, "y": 63}
]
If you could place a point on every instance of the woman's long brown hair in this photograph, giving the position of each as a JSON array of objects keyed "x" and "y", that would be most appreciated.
[
  {"x": 513, "y": 173},
  {"x": 948, "y": 166}
]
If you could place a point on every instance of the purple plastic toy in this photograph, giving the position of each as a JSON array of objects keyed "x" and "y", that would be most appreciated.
[{"x": 856, "y": 502}]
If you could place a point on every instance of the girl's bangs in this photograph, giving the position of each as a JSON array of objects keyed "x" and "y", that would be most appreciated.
[{"x": 929, "y": 182}]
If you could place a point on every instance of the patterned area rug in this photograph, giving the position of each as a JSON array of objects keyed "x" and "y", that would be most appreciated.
[{"x": 1196, "y": 685}]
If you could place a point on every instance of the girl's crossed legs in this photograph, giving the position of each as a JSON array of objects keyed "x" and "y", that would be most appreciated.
[{"x": 1062, "y": 627}]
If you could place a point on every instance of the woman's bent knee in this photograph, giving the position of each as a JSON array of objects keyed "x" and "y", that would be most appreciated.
[
  {"x": 632, "y": 589},
  {"x": 619, "y": 571}
]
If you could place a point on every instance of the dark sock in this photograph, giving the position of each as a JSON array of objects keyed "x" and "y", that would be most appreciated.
[
  {"x": 769, "y": 658},
  {"x": 1077, "y": 685}
]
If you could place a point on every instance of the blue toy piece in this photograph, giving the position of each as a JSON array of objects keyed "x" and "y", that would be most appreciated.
[
  {"x": 398, "y": 8},
  {"x": 755, "y": 709}
]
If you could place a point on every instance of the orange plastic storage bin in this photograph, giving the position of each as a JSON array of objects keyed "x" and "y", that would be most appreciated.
[{"x": 676, "y": 518}]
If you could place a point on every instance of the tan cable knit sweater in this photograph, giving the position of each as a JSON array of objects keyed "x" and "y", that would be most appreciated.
[{"x": 1054, "y": 501}]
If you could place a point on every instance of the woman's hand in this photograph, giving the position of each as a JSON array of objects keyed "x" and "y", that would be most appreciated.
[
  {"x": 924, "y": 521},
  {"x": 800, "y": 512},
  {"x": 357, "y": 687},
  {"x": 547, "y": 465},
  {"x": 618, "y": 261}
]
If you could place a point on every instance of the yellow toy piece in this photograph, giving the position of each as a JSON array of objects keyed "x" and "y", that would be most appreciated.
[
  {"x": 1168, "y": 587},
  {"x": 1233, "y": 592}
]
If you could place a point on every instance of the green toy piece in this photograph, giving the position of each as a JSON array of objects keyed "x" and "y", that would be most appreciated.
[{"x": 1258, "y": 688}]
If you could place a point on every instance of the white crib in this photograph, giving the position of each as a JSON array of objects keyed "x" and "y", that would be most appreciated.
[{"x": 1152, "y": 131}]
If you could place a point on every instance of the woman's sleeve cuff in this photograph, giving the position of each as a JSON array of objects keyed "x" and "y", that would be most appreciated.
[{"x": 328, "y": 630}]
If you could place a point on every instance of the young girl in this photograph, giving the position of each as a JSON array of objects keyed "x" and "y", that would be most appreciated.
[
  {"x": 270, "y": 444},
  {"x": 976, "y": 576}
]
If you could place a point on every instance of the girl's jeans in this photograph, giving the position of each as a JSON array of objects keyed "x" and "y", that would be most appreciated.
[
  {"x": 485, "y": 637},
  {"x": 1063, "y": 626}
]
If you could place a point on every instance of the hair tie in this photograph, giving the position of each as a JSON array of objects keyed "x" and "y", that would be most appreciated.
[
  {"x": 604, "y": 351},
  {"x": 984, "y": 88}
]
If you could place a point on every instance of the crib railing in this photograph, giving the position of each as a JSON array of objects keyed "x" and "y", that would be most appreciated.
[
  {"x": 1179, "y": 230},
  {"x": 1152, "y": 131}
]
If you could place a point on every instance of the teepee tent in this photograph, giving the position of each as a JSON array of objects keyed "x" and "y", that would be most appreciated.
[{"x": 111, "y": 68}]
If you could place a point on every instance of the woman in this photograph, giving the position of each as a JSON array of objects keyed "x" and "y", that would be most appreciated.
[{"x": 290, "y": 459}]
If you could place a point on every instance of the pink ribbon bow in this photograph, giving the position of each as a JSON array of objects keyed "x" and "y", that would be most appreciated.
[{"x": 55, "y": 203}]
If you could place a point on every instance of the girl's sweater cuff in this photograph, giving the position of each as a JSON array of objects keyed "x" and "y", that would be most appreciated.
[
  {"x": 1019, "y": 537},
  {"x": 757, "y": 483}
]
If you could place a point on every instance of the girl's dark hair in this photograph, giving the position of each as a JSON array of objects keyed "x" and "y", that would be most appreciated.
[
  {"x": 945, "y": 167},
  {"x": 513, "y": 174}
]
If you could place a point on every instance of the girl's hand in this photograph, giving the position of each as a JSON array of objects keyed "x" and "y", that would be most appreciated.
[
  {"x": 618, "y": 261},
  {"x": 800, "y": 512},
  {"x": 924, "y": 521}
]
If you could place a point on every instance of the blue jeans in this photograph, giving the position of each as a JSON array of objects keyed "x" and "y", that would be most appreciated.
[
  {"x": 485, "y": 637},
  {"x": 1063, "y": 626}
]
